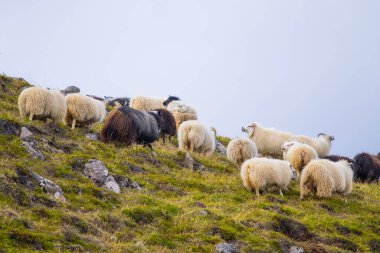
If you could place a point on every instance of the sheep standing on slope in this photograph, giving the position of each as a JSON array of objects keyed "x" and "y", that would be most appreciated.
[
  {"x": 168, "y": 126},
  {"x": 298, "y": 155},
  {"x": 367, "y": 167},
  {"x": 195, "y": 137},
  {"x": 180, "y": 110},
  {"x": 84, "y": 109},
  {"x": 323, "y": 177},
  {"x": 262, "y": 173},
  {"x": 337, "y": 158},
  {"x": 269, "y": 140},
  {"x": 241, "y": 149},
  {"x": 126, "y": 125},
  {"x": 42, "y": 103},
  {"x": 146, "y": 104}
]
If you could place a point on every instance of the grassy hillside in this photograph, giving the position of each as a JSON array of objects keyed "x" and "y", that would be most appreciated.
[{"x": 177, "y": 209}]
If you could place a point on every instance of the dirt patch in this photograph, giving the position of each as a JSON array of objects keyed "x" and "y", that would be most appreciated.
[
  {"x": 374, "y": 246},
  {"x": 9, "y": 128},
  {"x": 340, "y": 243},
  {"x": 275, "y": 200},
  {"x": 292, "y": 229},
  {"x": 326, "y": 207}
]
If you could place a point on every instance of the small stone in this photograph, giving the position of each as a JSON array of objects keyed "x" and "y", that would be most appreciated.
[
  {"x": 203, "y": 212},
  {"x": 199, "y": 204},
  {"x": 190, "y": 163},
  {"x": 296, "y": 249},
  {"x": 111, "y": 184},
  {"x": 227, "y": 248},
  {"x": 26, "y": 135},
  {"x": 135, "y": 185},
  {"x": 49, "y": 186},
  {"x": 34, "y": 153},
  {"x": 96, "y": 171},
  {"x": 219, "y": 148},
  {"x": 8, "y": 128},
  {"x": 92, "y": 136}
]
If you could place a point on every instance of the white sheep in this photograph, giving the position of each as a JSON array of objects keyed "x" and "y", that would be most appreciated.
[
  {"x": 269, "y": 140},
  {"x": 181, "y": 111},
  {"x": 194, "y": 136},
  {"x": 41, "y": 103},
  {"x": 298, "y": 155},
  {"x": 241, "y": 149},
  {"x": 84, "y": 109},
  {"x": 323, "y": 177},
  {"x": 146, "y": 104},
  {"x": 262, "y": 173}
]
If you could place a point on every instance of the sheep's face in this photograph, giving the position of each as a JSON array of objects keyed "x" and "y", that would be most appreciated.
[
  {"x": 170, "y": 99},
  {"x": 326, "y": 136},
  {"x": 250, "y": 130},
  {"x": 286, "y": 146},
  {"x": 294, "y": 173}
]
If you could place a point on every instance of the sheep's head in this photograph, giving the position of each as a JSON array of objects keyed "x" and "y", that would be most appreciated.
[
  {"x": 170, "y": 99},
  {"x": 214, "y": 130},
  {"x": 250, "y": 130},
  {"x": 287, "y": 145},
  {"x": 329, "y": 137}
]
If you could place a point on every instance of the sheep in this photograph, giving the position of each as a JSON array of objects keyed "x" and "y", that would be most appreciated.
[
  {"x": 146, "y": 104},
  {"x": 336, "y": 158},
  {"x": 324, "y": 177},
  {"x": 195, "y": 137},
  {"x": 169, "y": 126},
  {"x": 241, "y": 149},
  {"x": 84, "y": 109},
  {"x": 180, "y": 110},
  {"x": 298, "y": 155},
  {"x": 126, "y": 125},
  {"x": 269, "y": 140},
  {"x": 262, "y": 173},
  {"x": 41, "y": 103},
  {"x": 367, "y": 167}
]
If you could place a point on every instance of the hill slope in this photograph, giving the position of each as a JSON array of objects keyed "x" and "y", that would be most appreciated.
[{"x": 176, "y": 210}]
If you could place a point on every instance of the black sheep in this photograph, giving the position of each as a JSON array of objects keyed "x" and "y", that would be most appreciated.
[
  {"x": 169, "y": 126},
  {"x": 368, "y": 167}
]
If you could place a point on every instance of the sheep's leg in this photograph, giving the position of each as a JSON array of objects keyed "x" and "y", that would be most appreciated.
[
  {"x": 31, "y": 116},
  {"x": 73, "y": 124},
  {"x": 257, "y": 191},
  {"x": 281, "y": 193},
  {"x": 163, "y": 138}
]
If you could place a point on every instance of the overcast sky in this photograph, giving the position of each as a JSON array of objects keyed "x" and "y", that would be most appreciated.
[{"x": 300, "y": 66}]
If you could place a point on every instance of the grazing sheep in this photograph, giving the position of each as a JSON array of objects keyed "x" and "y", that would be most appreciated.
[
  {"x": 146, "y": 104},
  {"x": 84, "y": 109},
  {"x": 126, "y": 125},
  {"x": 241, "y": 149},
  {"x": 337, "y": 158},
  {"x": 168, "y": 126},
  {"x": 323, "y": 178},
  {"x": 367, "y": 167},
  {"x": 262, "y": 173},
  {"x": 269, "y": 140},
  {"x": 42, "y": 103},
  {"x": 195, "y": 137},
  {"x": 180, "y": 110},
  {"x": 298, "y": 155}
]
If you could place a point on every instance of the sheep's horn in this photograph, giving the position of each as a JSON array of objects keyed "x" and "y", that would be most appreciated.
[
  {"x": 244, "y": 130},
  {"x": 321, "y": 134}
]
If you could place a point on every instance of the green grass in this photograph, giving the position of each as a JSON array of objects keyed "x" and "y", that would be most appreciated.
[{"x": 177, "y": 210}]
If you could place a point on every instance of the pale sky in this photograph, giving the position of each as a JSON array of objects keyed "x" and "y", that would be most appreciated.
[{"x": 300, "y": 66}]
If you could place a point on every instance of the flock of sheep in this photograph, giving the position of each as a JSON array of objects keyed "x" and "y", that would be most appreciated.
[{"x": 268, "y": 158}]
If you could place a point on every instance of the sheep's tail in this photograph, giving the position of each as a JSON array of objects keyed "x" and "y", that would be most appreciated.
[
  {"x": 118, "y": 128},
  {"x": 245, "y": 172},
  {"x": 319, "y": 179}
]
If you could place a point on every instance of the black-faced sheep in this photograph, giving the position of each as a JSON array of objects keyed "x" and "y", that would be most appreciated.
[
  {"x": 367, "y": 167},
  {"x": 323, "y": 178},
  {"x": 84, "y": 109},
  {"x": 269, "y": 140},
  {"x": 146, "y": 104},
  {"x": 168, "y": 126},
  {"x": 240, "y": 150},
  {"x": 42, "y": 103},
  {"x": 180, "y": 110},
  {"x": 126, "y": 125},
  {"x": 195, "y": 137},
  {"x": 263, "y": 173}
]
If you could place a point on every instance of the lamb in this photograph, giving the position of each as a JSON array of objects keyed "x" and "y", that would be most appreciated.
[
  {"x": 262, "y": 173},
  {"x": 84, "y": 109},
  {"x": 298, "y": 155},
  {"x": 367, "y": 167},
  {"x": 42, "y": 103},
  {"x": 168, "y": 126},
  {"x": 126, "y": 125},
  {"x": 195, "y": 137},
  {"x": 241, "y": 149},
  {"x": 146, "y": 104},
  {"x": 269, "y": 140},
  {"x": 180, "y": 110},
  {"x": 323, "y": 178}
]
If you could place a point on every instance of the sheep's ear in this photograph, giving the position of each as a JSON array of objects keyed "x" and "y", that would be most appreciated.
[{"x": 332, "y": 138}]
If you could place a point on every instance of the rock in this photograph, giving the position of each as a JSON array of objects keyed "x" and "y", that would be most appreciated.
[
  {"x": 48, "y": 186},
  {"x": 92, "y": 136},
  {"x": 96, "y": 171},
  {"x": 219, "y": 148},
  {"x": 34, "y": 153},
  {"x": 296, "y": 249},
  {"x": 190, "y": 163},
  {"x": 135, "y": 185},
  {"x": 70, "y": 89},
  {"x": 227, "y": 248},
  {"x": 111, "y": 184},
  {"x": 203, "y": 212},
  {"x": 199, "y": 204},
  {"x": 26, "y": 135},
  {"x": 8, "y": 128}
]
